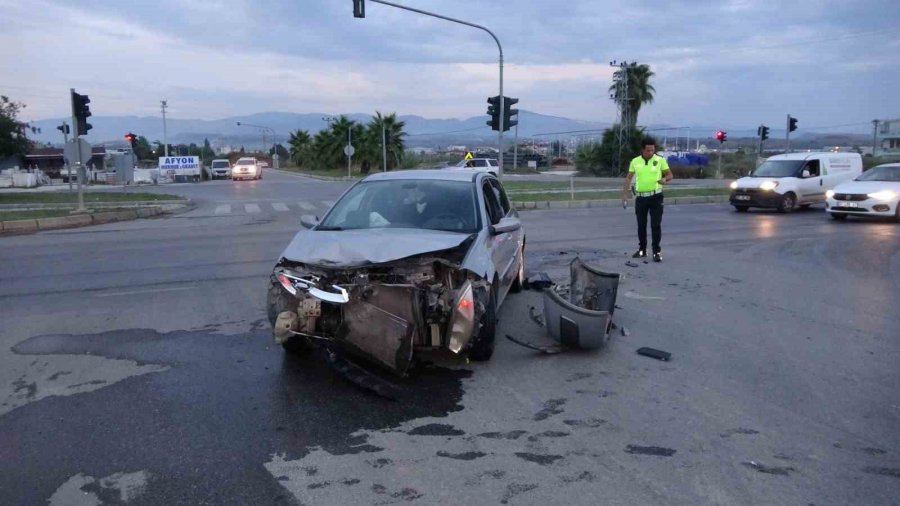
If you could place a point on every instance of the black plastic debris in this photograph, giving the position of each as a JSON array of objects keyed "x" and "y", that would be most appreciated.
[
  {"x": 539, "y": 281},
  {"x": 629, "y": 263},
  {"x": 665, "y": 356},
  {"x": 546, "y": 349},
  {"x": 361, "y": 377}
]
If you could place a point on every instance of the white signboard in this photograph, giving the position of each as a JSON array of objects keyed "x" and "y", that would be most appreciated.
[{"x": 179, "y": 166}]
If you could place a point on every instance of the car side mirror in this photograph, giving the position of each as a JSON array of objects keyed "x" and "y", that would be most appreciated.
[
  {"x": 506, "y": 225},
  {"x": 309, "y": 221},
  {"x": 805, "y": 173}
]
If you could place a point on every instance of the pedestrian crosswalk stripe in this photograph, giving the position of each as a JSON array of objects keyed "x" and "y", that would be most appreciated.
[
  {"x": 223, "y": 209},
  {"x": 306, "y": 206},
  {"x": 251, "y": 208},
  {"x": 279, "y": 206},
  {"x": 327, "y": 203}
]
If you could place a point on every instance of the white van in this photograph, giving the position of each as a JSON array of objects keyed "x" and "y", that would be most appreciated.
[{"x": 786, "y": 181}]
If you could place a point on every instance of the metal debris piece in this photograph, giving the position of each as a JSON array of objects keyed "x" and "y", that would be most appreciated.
[
  {"x": 625, "y": 332},
  {"x": 584, "y": 318},
  {"x": 629, "y": 263},
  {"x": 538, "y": 281}
]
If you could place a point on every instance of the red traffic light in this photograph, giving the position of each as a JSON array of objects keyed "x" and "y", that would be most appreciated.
[
  {"x": 721, "y": 135},
  {"x": 130, "y": 137}
]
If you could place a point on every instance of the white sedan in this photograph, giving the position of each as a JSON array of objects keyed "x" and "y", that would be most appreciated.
[{"x": 875, "y": 192}]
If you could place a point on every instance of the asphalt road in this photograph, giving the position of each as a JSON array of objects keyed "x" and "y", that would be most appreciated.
[{"x": 136, "y": 366}]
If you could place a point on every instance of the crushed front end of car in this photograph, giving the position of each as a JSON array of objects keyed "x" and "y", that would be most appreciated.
[{"x": 384, "y": 313}]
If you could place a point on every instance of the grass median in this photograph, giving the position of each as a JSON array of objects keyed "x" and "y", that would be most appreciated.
[
  {"x": 89, "y": 197},
  {"x": 612, "y": 195}
]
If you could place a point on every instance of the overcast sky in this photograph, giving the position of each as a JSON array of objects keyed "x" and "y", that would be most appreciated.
[{"x": 732, "y": 63}]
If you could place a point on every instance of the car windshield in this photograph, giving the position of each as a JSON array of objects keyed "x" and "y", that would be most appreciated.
[
  {"x": 889, "y": 173},
  {"x": 220, "y": 164},
  {"x": 778, "y": 168},
  {"x": 421, "y": 204}
]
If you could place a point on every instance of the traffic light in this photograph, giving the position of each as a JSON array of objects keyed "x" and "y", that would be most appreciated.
[
  {"x": 130, "y": 137},
  {"x": 359, "y": 8},
  {"x": 763, "y": 132},
  {"x": 82, "y": 111},
  {"x": 721, "y": 135},
  {"x": 510, "y": 115},
  {"x": 493, "y": 111},
  {"x": 64, "y": 128},
  {"x": 792, "y": 123}
]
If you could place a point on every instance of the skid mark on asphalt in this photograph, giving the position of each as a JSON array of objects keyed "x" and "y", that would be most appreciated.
[{"x": 201, "y": 427}]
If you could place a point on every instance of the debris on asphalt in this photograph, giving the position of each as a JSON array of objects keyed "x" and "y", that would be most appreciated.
[
  {"x": 546, "y": 349},
  {"x": 536, "y": 318},
  {"x": 654, "y": 353},
  {"x": 538, "y": 281},
  {"x": 582, "y": 317},
  {"x": 782, "y": 471},
  {"x": 637, "y": 296},
  {"x": 625, "y": 332},
  {"x": 629, "y": 263}
]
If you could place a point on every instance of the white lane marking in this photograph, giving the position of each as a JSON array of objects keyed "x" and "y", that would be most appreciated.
[
  {"x": 149, "y": 290},
  {"x": 327, "y": 203},
  {"x": 223, "y": 209},
  {"x": 279, "y": 206},
  {"x": 251, "y": 208},
  {"x": 306, "y": 206}
]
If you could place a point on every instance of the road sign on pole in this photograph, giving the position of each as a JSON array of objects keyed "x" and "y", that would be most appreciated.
[
  {"x": 77, "y": 150},
  {"x": 349, "y": 150}
]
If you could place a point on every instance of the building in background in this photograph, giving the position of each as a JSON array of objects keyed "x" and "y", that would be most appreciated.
[{"x": 887, "y": 138}]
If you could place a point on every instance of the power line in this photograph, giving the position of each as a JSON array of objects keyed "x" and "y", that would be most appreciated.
[{"x": 445, "y": 133}]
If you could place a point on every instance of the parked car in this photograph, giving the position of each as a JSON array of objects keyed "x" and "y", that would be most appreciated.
[
  {"x": 786, "y": 181},
  {"x": 246, "y": 168},
  {"x": 875, "y": 192},
  {"x": 221, "y": 168},
  {"x": 403, "y": 262},
  {"x": 491, "y": 165}
]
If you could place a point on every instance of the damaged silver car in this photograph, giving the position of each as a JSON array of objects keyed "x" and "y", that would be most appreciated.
[{"x": 402, "y": 263}]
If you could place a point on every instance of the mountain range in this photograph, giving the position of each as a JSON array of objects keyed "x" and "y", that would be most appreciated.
[{"x": 421, "y": 132}]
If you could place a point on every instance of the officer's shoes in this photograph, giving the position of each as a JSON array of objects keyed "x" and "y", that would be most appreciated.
[
  {"x": 639, "y": 254},
  {"x": 657, "y": 257}
]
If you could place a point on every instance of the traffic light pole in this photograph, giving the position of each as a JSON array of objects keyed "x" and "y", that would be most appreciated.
[
  {"x": 79, "y": 168},
  {"x": 499, "y": 47},
  {"x": 787, "y": 133}
]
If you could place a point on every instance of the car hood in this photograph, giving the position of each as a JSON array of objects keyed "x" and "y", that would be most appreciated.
[
  {"x": 355, "y": 248},
  {"x": 866, "y": 186}
]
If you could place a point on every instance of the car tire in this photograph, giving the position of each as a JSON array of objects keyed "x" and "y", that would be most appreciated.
[
  {"x": 483, "y": 345},
  {"x": 838, "y": 216},
  {"x": 741, "y": 209},
  {"x": 519, "y": 282},
  {"x": 277, "y": 301},
  {"x": 897, "y": 213},
  {"x": 788, "y": 202},
  {"x": 805, "y": 206}
]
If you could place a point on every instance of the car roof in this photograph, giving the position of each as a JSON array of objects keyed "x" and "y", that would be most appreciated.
[
  {"x": 426, "y": 174},
  {"x": 807, "y": 155}
]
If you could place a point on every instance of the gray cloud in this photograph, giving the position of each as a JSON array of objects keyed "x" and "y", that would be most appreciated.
[{"x": 737, "y": 62}]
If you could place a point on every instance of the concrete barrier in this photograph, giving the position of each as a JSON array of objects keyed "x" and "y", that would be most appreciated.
[
  {"x": 126, "y": 215},
  {"x": 78, "y": 220},
  {"x": 108, "y": 217},
  {"x": 20, "y": 226}
]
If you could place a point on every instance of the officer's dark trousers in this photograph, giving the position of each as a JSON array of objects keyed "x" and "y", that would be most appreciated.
[{"x": 654, "y": 206}]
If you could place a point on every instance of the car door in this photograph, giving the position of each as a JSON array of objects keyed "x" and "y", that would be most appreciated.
[
  {"x": 504, "y": 246},
  {"x": 811, "y": 188}
]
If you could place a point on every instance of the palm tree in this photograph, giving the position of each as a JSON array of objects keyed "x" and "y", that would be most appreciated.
[
  {"x": 639, "y": 89},
  {"x": 300, "y": 142},
  {"x": 393, "y": 139}
]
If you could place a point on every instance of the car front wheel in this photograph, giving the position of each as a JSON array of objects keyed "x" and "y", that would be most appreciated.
[
  {"x": 788, "y": 201},
  {"x": 483, "y": 345}
]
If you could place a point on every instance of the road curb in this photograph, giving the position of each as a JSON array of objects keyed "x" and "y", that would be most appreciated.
[
  {"x": 591, "y": 204},
  {"x": 11, "y": 227},
  {"x": 95, "y": 205}
]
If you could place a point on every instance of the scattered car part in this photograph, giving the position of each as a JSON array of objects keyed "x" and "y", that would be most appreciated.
[
  {"x": 585, "y": 319},
  {"x": 546, "y": 349},
  {"x": 536, "y": 318},
  {"x": 665, "y": 356},
  {"x": 361, "y": 377},
  {"x": 625, "y": 332},
  {"x": 629, "y": 263},
  {"x": 538, "y": 282}
]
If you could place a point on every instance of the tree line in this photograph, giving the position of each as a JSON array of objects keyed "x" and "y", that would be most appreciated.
[{"x": 325, "y": 149}]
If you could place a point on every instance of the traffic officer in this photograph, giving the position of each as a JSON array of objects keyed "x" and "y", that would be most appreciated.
[{"x": 651, "y": 172}]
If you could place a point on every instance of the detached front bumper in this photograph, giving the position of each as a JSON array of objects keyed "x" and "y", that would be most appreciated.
[{"x": 755, "y": 197}]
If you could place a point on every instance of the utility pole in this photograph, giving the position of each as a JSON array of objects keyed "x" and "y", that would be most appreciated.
[
  {"x": 383, "y": 147},
  {"x": 64, "y": 128},
  {"x": 349, "y": 147},
  {"x": 516, "y": 149},
  {"x": 875, "y": 123},
  {"x": 360, "y": 13},
  {"x": 165, "y": 138}
]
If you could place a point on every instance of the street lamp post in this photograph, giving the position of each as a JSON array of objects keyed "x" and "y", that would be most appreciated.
[
  {"x": 275, "y": 164},
  {"x": 499, "y": 47}
]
